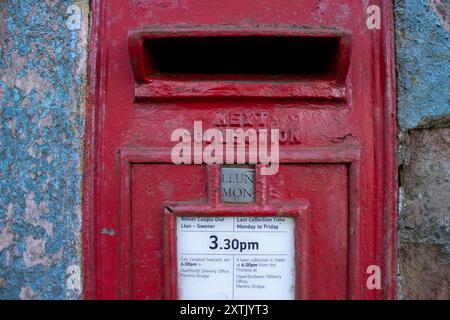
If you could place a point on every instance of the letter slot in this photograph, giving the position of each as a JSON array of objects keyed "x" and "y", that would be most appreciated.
[{"x": 252, "y": 63}]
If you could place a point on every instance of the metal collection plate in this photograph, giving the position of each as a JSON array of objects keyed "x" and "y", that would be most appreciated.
[{"x": 237, "y": 185}]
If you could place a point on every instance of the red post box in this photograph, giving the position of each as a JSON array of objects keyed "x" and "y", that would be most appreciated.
[{"x": 174, "y": 85}]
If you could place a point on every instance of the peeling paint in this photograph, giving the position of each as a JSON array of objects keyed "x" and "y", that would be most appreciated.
[
  {"x": 423, "y": 61},
  {"x": 6, "y": 235},
  {"x": 35, "y": 253},
  {"x": 74, "y": 285},
  {"x": 27, "y": 293},
  {"x": 442, "y": 9},
  {"x": 42, "y": 97},
  {"x": 109, "y": 232}
]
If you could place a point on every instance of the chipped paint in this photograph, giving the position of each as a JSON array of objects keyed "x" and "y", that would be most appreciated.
[
  {"x": 442, "y": 9},
  {"x": 42, "y": 93},
  {"x": 74, "y": 284},
  {"x": 27, "y": 293},
  {"x": 109, "y": 232},
  {"x": 423, "y": 55}
]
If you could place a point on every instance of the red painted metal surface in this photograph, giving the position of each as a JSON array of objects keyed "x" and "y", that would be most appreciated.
[{"x": 337, "y": 172}]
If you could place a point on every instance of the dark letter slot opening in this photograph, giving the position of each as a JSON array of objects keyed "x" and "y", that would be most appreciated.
[{"x": 242, "y": 58}]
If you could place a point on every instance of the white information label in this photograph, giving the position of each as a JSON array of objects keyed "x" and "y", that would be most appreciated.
[{"x": 235, "y": 258}]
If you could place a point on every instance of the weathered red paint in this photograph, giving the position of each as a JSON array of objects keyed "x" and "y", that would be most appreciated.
[
  {"x": 339, "y": 182},
  {"x": 314, "y": 88}
]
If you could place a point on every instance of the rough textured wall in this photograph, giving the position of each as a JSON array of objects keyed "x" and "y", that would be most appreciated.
[
  {"x": 42, "y": 80},
  {"x": 423, "y": 73},
  {"x": 423, "y": 57}
]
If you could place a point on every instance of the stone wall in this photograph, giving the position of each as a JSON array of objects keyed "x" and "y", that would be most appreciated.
[{"x": 423, "y": 78}]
